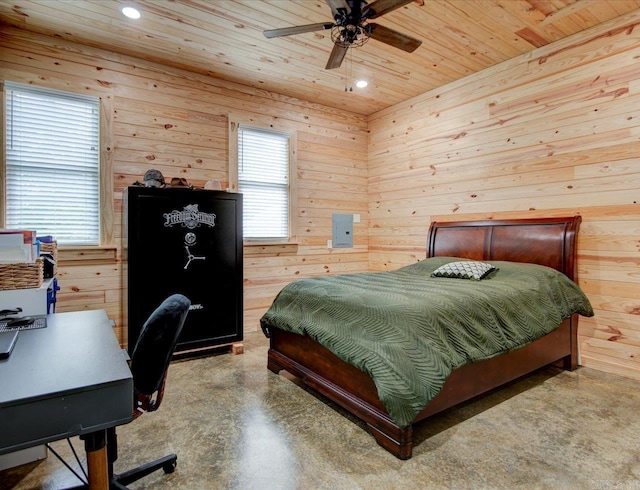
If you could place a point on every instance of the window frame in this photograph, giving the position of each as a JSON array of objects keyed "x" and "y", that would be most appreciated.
[
  {"x": 106, "y": 206},
  {"x": 235, "y": 121}
]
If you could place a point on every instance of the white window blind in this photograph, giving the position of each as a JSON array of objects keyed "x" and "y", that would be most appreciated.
[
  {"x": 263, "y": 180},
  {"x": 53, "y": 163}
]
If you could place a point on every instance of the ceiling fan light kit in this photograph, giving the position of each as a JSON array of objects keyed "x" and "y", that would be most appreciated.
[
  {"x": 351, "y": 28},
  {"x": 351, "y": 36}
]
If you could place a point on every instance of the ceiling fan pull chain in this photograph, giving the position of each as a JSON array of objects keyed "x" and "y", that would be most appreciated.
[
  {"x": 348, "y": 86},
  {"x": 351, "y": 71}
]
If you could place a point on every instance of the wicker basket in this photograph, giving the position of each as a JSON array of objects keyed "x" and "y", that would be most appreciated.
[
  {"x": 52, "y": 249},
  {"x": 21, "y": 275}
]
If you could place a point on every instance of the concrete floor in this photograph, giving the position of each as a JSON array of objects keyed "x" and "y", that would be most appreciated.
[{"x": 236, "y": 425}]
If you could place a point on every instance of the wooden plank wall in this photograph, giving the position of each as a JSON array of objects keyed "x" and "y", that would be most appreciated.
[
  {"x": 176, "y": 121},
  {"x": 555, "y": 132}
]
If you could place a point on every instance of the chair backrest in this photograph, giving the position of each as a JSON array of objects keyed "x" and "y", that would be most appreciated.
[{"x": 153, "y": 351}]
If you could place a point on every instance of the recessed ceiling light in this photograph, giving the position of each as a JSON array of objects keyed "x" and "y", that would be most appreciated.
[
  {"x": 131, "y": 12},
  {"x": 362, "y": 83}
]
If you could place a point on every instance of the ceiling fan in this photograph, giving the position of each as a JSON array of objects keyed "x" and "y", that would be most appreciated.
[{"x": 351, "y": 29}]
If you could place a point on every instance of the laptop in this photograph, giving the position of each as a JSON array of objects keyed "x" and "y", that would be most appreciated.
[{"x": 7, "y": 341}]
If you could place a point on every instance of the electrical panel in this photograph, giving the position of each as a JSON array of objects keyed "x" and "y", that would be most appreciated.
[{"x": 342, "y": 231}]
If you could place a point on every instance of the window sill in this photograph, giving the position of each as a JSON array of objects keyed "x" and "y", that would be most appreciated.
[
  {"x": 253, "y": 249},
  {"x": 76, "y": 254}
]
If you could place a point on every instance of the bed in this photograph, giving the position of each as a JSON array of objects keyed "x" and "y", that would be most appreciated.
[{"x": 549, "y": 242}]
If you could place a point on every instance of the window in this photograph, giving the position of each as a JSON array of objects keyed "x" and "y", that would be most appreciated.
[
  {"x": 52, "y": 164},
  {"x": 264, "y": 163}
]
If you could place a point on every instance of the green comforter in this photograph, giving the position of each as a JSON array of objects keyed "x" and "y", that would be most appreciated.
[{"x": 409, "y": 330}]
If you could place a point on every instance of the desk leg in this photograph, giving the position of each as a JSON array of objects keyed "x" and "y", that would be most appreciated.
[{"x": 95, "y": 445}]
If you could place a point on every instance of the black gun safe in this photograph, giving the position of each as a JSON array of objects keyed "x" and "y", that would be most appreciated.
[{"x": 188, "y": 241}]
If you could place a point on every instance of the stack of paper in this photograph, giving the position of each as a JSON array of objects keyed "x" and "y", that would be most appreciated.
[{"x": 17, "y": 246}]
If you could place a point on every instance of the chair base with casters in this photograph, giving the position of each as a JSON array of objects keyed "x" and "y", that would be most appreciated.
[{"x": 120, "y": 481}]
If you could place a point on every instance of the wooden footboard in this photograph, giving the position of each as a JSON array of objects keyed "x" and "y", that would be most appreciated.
[{"x": 355, "y": 391}]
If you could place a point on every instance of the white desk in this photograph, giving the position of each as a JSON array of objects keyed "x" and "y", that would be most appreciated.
[{"x": 33, "y": 301}]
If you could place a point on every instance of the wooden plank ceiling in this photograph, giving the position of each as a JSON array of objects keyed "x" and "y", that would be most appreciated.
[{"x": 223, "y": 38}]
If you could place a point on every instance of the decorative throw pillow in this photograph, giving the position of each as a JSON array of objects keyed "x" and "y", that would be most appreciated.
[{"x": 464, "y": 270}]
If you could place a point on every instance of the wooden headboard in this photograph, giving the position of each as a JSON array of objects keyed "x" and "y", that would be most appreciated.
[{"x": 545, "y": 241}]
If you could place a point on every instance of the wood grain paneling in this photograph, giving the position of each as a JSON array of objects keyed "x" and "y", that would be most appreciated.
[
  {"x": 223, "y": 38},
  {"x": 176, "y": 121},
  {"x": 551, "y": 133}
]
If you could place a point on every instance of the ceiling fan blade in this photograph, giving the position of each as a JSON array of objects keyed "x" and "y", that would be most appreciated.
[
  {"x": 336, "y": 57},
  {"x": 338, "y": 4},
  {"x": 394, "y": 38},
  {"x": 381, "y": 7},
  {"x": 288, "y": 31}
]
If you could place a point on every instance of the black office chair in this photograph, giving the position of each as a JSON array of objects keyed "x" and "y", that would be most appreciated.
[{"x": 149, "y": 363}]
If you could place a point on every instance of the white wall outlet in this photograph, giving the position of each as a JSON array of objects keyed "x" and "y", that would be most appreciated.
[
  {"x": 356, "y": 218},
  {"x": 329, "y": 243}
]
